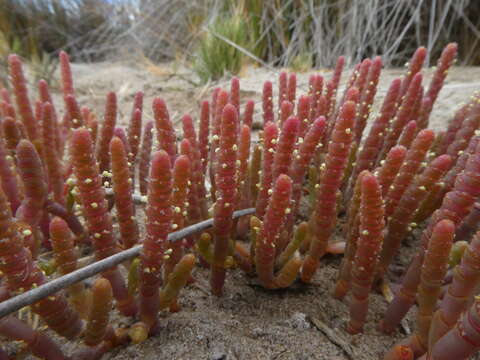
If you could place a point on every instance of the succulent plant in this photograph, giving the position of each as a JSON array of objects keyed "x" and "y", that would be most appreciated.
[{"x": 65, "y": 184}]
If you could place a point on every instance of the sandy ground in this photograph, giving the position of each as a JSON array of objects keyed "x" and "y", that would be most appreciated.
[
  {"x": 178, "y": 86},
  {"x": 303, "y": 322}
]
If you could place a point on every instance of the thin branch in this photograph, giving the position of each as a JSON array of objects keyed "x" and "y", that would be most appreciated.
[
  {"x": 32, "y": 296},
  {"x": 239, "y": 48}
]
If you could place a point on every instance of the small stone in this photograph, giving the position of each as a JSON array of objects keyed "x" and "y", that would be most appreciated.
[
  {"x": 299, "y": 321},
  {"x": 258, "y": 332},
  {"x": 219, "y": 355}
]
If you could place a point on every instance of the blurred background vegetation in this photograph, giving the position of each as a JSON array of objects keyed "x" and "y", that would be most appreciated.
[{"x": 218, "y": 37}]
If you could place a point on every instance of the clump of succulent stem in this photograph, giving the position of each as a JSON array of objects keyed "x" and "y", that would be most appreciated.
[
  {"x": 94, "y": 208},
  {"x": 371, "y": 223},
  {"x": 462, "y": 340},
  {"x": 433, "y": 272},
  {"x": 122, "y": 190},
  {"x": 66, "y": 258},
  {"x": 312, "y": 146},
  {"x": 466, "y": 276},
  {"x": 322, "y": 221},
  {"x": 226, "y": 184},
  {"x": 455, "y": 206}
]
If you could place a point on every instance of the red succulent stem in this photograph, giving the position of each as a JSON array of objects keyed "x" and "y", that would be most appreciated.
[
  {"x": 182, "y": 173},
  {"x": 303, "y": 112},
  {"x": 443, "y": 65},
  {"x": 5, "y": 96},
  {"x": 469, "y": 225},
  {"x": 22, "y": 273},
  {"x": 95, "y": 211},
  {"x": 414, "y": 66},
  {"x": 267, "y": 239},
  {"x": 145, "y": 152},
  {"x": 270, "y": 134},
  {"x": 19, "y": 85},
  {"x": 203, "y": 134},
  {"x": 463, "y": 340},
  {"x": 419, "y": 102},
  {"x": 176, "y": 280},
  {"x": 164, "y": 129},
  {"x": 408, "y": 134},
  {"x": 73, "y": 114},
  {"x": 267, "y": 103},
  {"x": 370, "y": 240},
  {"x": 12, "y": 133},
  {"x": 254, "y": 173},
  {"x": 315, "y": 93},
  {"x": 242, "y": 169},
  {"x": 92, "y": 125},
  {"x": 135, "y": 126},
  {"x": 7, "y": 109},
  {"x": 436, "y": 195},
  {"x": 282, "y": 88},
  {"x": 304, "y": 155},
  {"x": 454, "y": 125},
  {"x": 37, "y": 111},
  {"x": 220, "y": 101},
  {"x": 363, "y": 73},
  {"x": 8, "y": 178},
  {"x": 226, "y": 181},
  {"x": 466, "y": 277},
  {"x": 106, "y": 132},
  {"x": 99, "y": 316},
  {"x": 389, "y": 168},
  {"x": 45, "y": 97},
  {"x": 123, "y": 193},
  {"x": 368, "y": 152},
  {"x": 322, "y": 106},
  {"x": 66, "y": 73},
  {"x": 282, "y": 159},
  {"x": 120, "y": 133},
  {"x": 66, "y": 256},
  {"x": 197, "y": 177},
  {"x": 73, "y": 222},
  {"x": 159, "y": 225},
  {"x": 214, "y": 103},
  {"x": 86, "y": 113},
  {"x": 248, "y": 113},
  {"x": 322, "y": 221},
  {"x": 412, "y": 163},
  {"x": 35, "y": 190},
  {"x": 351, "y": 233},
  {"x": 53, "y": 163},
  {"x": 235, "y": 94},
  {"x": 466, "y": 131},
  {"x": 402, "y": 216},
  {"x": 284, "y": 112},
  {"x": 350, "y": 83},
  {"x": 455, "y": 206},
  {"x": 292, "y": 88},
  {"x": 367, "y": 97},
  {"x": 404, "y": 114},
  {"x": 433, "y": 272},
  {"x": 332, "y": 86},
  {"x": 38, "y": 343},
  {"x": 193, "y": 206},
  {"x": 351, "y": 94},
  {"x": 92, "y": 194},
  {"x": 243, "y": 195},
  {"x": 399, "y": 352}
]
